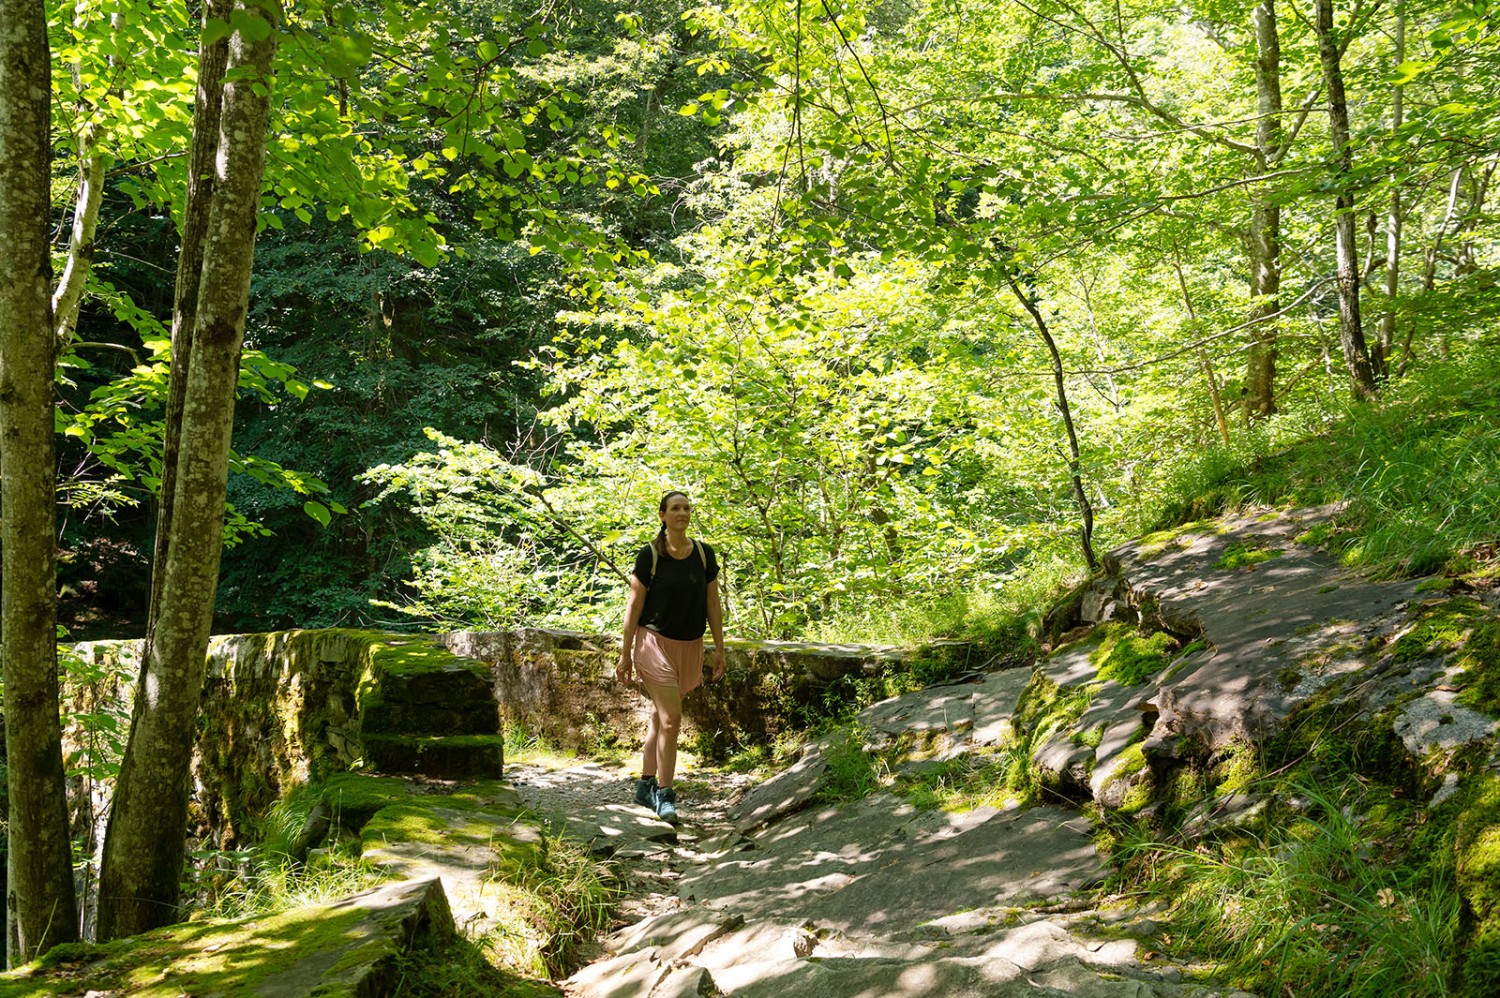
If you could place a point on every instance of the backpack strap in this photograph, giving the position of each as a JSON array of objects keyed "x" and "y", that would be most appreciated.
[{"x": 702, "y": 556}]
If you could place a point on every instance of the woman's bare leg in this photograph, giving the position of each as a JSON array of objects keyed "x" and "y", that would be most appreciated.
[
  {"x": 648, "y": 750},
  {"x": 659, "y": 755}
]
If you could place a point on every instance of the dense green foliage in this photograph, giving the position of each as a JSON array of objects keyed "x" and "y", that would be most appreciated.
[{"x": 519, "y": 276}]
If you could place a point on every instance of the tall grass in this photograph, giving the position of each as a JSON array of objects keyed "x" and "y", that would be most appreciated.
[
  {"x": 1419, "y": 470},
  {"x": 264, "y": 879},
  {"x": 549, "y": 909},
  {"x": 1309, "y": 907}
]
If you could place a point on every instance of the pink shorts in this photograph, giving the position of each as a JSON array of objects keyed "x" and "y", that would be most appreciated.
[{"x": 663, "y": 661}]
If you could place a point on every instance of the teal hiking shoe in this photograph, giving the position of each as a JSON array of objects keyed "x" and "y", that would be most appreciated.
[
  {"x": 666, "y": 805},
  {"x": 645, "y": 792}
]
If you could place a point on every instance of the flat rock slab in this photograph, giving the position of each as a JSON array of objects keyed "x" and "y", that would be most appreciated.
[
  {"x": 619, "y": 829},
  {"x": 781, "y": 959},
  {"x": 676, "y": 935},
  {"x": 995, "y": 701},
  {"x": 1434, "y": 723},
  {"x": 1266, "y": 622},
  {"x": 347, "y": 949},
  {"x": 980, "y": 859},
  {"x": 783, "y": 793},
  {"x": 881, "y": 867},
  {"x": 932, "y": 710},
  {"x": 468, "y": 849},
  {"x": 813, "y": 850}
]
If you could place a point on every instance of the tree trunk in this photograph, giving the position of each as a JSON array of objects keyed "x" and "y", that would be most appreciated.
[
  {"x": 1385, "y": 344},
  {"x": 1351, "y": 334},
  {"x": 144, "y": 845},
  {"x": 212, "y": 62},
  {"x": 1075, "y": 461},
  {"x": 41, "y": 910},
  {"x": 68, "y": 298},
  {"x": 1265, "y": 221}
]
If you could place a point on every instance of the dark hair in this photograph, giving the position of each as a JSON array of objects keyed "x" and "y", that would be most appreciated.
[{"x": 660, "y": 540}]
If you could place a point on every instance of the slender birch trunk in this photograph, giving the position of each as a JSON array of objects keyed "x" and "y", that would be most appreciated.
[
  {"x": 1351, "y": 333},
  {"x": 1075, "y": 458},
  {"x": 1385, "y": 344},
  {"x": 142, "y": 869},
  {"x": 41, "y": 910},
  {"x": 68, "y": 298}
]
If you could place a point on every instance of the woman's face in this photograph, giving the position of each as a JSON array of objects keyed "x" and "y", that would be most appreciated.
[{"x": 678, "y": 512}]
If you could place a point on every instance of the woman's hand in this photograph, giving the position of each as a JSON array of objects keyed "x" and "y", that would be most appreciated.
[
  {"x": 623, "y": 669},
  {"x": 718, "y": 672}
]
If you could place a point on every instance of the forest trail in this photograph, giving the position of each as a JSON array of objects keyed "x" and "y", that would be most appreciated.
[
  {"x": 772, "y": 893},
  {"x": 781, "y": 889}
]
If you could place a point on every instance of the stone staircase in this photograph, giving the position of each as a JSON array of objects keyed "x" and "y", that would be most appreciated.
[{"x": 426, "y": 710}]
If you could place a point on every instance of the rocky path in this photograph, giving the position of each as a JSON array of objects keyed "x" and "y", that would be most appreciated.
[
  {"x": 769, "y": 890},
  {"x": 761, "y": 891},
  {"x": 594, "y": 803}
]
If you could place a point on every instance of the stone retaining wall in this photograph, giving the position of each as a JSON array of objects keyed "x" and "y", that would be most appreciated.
[
  {"x": 286, "y": 707},
  {"x": 560, "y": 685}
]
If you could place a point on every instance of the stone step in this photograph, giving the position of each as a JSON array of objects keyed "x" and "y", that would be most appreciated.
[
  {"x": 382, "y": 714},
  {"x": 447, "y": 756}
]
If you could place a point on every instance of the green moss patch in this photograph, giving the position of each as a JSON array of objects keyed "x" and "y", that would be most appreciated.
[
  {"x": 1245, "y": 555},
  {"x": 1479, "y": 661},
  {"x": 1129, "y": 658},
  {"x": 230, "y": 958},
  {"x": 1478, "y": 848},
  {"x": 354, "y": 798},
  {"x": 417, "y": 656},
  {"x": 1172, "y": 538},
  {"x": 1440, "y": 628},
  {"x": 436, "y": 755}
]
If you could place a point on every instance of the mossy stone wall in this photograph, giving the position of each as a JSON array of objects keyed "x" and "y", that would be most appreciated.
[
  {"x": 291, "y": 707},
  {"x": 560, "y": 685}
]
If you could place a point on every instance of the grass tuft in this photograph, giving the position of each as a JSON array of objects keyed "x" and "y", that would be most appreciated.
[{"x": 1321, "y": 903}]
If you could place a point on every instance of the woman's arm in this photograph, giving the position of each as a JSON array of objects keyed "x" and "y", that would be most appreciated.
[
  {"x": 633, "y": 606},
  {"x": 716, "y": 625}
]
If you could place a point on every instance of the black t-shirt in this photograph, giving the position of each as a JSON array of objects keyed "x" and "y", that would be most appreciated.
[{"x": 677, "y": 598}]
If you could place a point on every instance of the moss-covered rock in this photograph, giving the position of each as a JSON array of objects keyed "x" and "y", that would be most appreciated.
[
  {"x": 1479, "y": 668},
  {"x": 1130, "y": 658},
  {"x": 1478, "y": 849},
  {"x": 343, "y": 950},
  {"x": 352, "y": 799}
]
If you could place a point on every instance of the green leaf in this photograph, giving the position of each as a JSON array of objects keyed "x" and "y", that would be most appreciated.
[
  {"x": 214, "y": 30},
  {"x": 318, "y": 512}
]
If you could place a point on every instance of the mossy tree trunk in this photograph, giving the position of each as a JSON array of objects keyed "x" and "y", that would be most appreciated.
[
  {"x": 139, "y": 885},
  {"x": 1264, "y": 242},
  {"x": 40, "y": 907}
]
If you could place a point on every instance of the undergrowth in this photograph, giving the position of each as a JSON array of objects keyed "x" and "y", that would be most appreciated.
[
  {"x": 458, "y": 966},
  {"x": 853, "y": 772},
  {"x": 1419, "y": 470},
  {"x": 1341, "y": 896},
  {"x": 548, "y": 910},
  {"x": 264, "y": 879}
]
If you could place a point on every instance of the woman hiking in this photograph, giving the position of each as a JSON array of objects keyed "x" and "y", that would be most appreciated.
[{"x": 674, "y": 596}]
